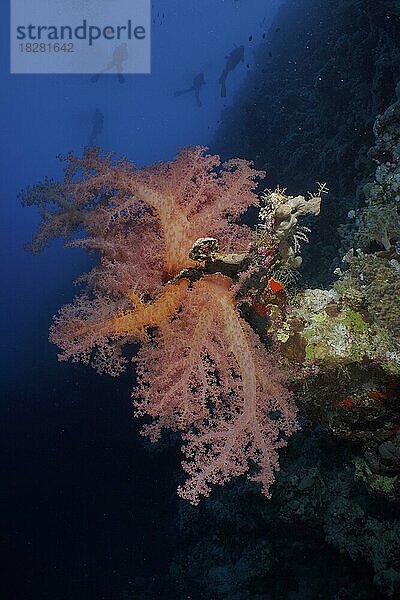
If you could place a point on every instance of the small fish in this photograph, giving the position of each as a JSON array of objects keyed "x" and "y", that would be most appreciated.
[
  {"x": 250, "y": 38},
  {"x": 275, "y": 286}
]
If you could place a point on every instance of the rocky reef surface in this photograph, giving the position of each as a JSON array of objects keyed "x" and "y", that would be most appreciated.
[
  {"x": 324, "y": 105},
  {"x": 306, "y": 112}
]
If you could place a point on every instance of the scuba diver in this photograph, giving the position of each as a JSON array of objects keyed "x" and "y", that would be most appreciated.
[
  {"x": 120, "y": 55},
  {"x": 198, "y": 83},
  {"x": 232, "y": 61},
  {"x": 97, "y": 126}
]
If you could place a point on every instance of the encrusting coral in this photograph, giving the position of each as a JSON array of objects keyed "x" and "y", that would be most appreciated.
[
  {"x": 201, "y": 369},
  {"x": 358, "y": 320},
  {"x": 279, "y": 232}
]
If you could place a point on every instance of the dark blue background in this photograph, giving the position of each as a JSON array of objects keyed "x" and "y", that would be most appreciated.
[{"x": 86, "y": 507}]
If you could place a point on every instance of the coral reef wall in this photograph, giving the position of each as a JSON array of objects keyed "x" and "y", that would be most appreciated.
[
  {"x": 309, "y": 113},
  {"x": 306, "y": 113}
]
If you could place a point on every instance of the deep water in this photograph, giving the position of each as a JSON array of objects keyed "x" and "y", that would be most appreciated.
[{"x": 89, "y": 508}]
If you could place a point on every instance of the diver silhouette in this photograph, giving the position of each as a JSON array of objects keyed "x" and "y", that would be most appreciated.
[
  {"x": 97, "y": 126},
  {"x": 119, "y": 56},
  {"x": 198, "y": 83},
  {"x": 232, "y": 61}
]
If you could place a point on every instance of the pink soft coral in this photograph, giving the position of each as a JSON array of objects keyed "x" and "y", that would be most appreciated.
[
  {"x": 201, "y": 368},
  {"x": 212, "y": 378}
]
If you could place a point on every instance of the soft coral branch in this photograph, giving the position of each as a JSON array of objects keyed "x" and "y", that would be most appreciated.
[
  {"x": 244, "y": 428},
  {"x": 213, "y": 379},
  {"x": 87, "y": 326},
  {"x": 201, "y": 369}
]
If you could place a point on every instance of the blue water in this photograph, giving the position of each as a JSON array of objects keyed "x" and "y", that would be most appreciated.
[{"x": 86, "y": 507}]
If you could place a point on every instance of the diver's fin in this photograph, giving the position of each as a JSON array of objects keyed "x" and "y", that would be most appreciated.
[
  {"x": 223, "y": 90},
  {"x": 223, "y": 77},
  {"x": 180, "y": 92}
]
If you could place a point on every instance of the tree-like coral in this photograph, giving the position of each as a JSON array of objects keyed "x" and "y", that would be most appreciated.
[
  {"x": 215, "y": 380},
  {"x": 201, "y": 369}
]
